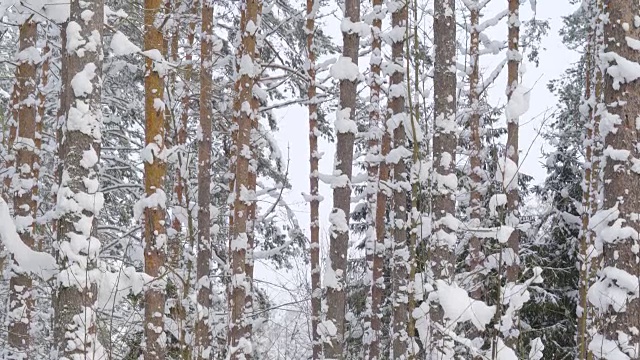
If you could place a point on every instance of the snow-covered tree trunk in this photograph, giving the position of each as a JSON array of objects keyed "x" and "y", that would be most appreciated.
[
  {"x": 444, "y": 159},
  {"x": 244, "y": 117},
  {"x": 255, "y": 141},
  {"x": 24, "y": 186},
  {"x": 43, "y": 91},
  {"x": 179, "y": 262},
  {"x": 155, "y": 169},
  {"x": 8, "y": 139},
  {"x": 180, "y": 124},
  {"x": 586, "y": 207},
  {"x": 203, "y": 330},
  {"x": 376, "y": 165},
  {"x": 314, "y": 158},
  {"x": 346, "y": 71},
  {"x": 398, "y": 117},
  {"x": 476, "y": 256},
  {"x": 78, "y": 199},
  {"x": 590, "y": 199},
  {"x": 616, "y": 293},
  {"x": 511, "y": 161}
]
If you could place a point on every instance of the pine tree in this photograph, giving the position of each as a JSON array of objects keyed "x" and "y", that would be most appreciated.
[
  {"x": 401, "y": 256},
  {"x": 556, "y": 238},
  {"x": 475, "y": 148},
  {"x": 245, "y": 117},
  {"x": 24, "y": 186},
  {"x": 346, "y": 71},
  {"x": 78, "y": 199},
  {"x": 618, "y": 234},
  {"x": 590, "y": 193},
  {"x": 203, "y": 329},
  {"x": 178, "y": 98},
  {"x": 444, "y": 157},
  {"x": 314, "y": 158},
  {"x": 155, "y": 171},
  {"x": 379, "y": 174},
  {"x": 509, "y": 169}
]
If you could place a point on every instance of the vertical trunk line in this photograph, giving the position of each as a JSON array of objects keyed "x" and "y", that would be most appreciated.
[
  {"x": 155, "y": 234},
  {"x": 445, "y": 181},
  {"x": 375, "y": 242},
  {"x": 314, "y": 158},
  {"x": 402, "y": 340},
  {"x": 24, "y": 186}
]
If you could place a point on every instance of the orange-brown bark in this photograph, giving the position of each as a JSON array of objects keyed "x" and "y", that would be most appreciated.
[
  {"x": 154, "y": 179},
  {"x": 245, "y": 115}
]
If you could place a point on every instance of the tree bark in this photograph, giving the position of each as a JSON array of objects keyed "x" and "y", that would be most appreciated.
[
  {"x": 314, "y": 204},
  {"x": 592, "y": 93},
  {"x": 24, "y": 186},
  {"x": 245, "y": 114},
  {"x": 155, "y": 169},
  {"x": 513, "y": 195},
  {"x": 476, "y": 255},
  {"x": 203, "y": 330},
  {"x": 619, "y": 161},
  {"x": 9, "y": 161},
  {"x": 379, "y": 146},
  {"x": 401, "y": 282},
  {"x": 444, "y": 160},
  {"x": 512, "y": 271},
  {"x": 78, "y": 199},
  {"x": 339, "y": 236}
]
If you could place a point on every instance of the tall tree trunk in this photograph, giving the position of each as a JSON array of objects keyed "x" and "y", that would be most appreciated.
[
  {"x": 594, "y": 318},
  {"x": 513, "y": 195},
  {"x": 24, "y": 187},
  {"x": 401, "y": 254},
  {"x": 619, "y": 237},
  {"x": 378, "y": 288},
  {"x": 8, "y": 140},
  {"x": 512, "y": 156},
  {"x": 251, "y": 221},
  {"x": 179, "y": 287},
  {"x": 245, "y": 114},
  {"x": 444, "y": 160},
  {"x": 175, "y": 328},
  {"x": 589, "y": 198},
  {"x": 254, "y": 144},
  {"x": 376, "y": 197},
  {"x": 78, "y": 199},
  {"x": 203, "y": 330},
  {"x": 476, "y": 254},
  {"x": 339, "y": 238},
  {"x": 43, "y": 92},
  {"x": 12, "y": 132},
  {"x": 314, "y": 203},
  {"x": 155, "y": 168}
]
